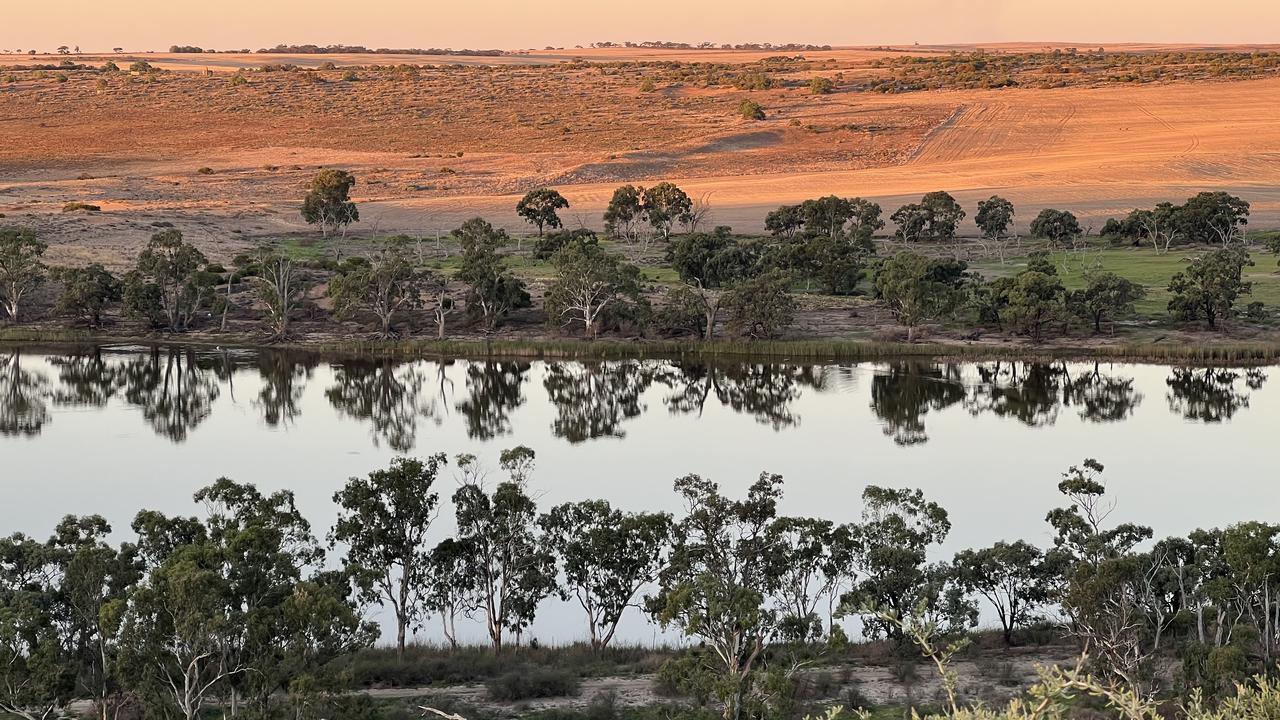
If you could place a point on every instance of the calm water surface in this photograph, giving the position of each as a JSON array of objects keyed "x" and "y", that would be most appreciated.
[{"x": 113, "y": 430}]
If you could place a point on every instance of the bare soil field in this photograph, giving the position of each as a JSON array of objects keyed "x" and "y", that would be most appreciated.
[{"x": 224, "y": 154}]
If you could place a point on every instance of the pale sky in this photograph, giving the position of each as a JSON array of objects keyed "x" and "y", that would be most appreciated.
[{"x": 511, "y": 24}]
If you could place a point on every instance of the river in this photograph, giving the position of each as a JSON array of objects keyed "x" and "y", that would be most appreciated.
[{"x": 112, "y": 430}]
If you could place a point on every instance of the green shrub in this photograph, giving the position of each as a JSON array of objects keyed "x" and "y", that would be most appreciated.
[
  {"x": 751, "y": 110},
  {"x": 76, "y": 206},
  {"x": 531, "y": 682}
]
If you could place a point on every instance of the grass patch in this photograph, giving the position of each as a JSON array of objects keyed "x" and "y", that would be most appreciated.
[
  {"x": 432, "y": 666},
  {"x": 1144, "y": 266}
]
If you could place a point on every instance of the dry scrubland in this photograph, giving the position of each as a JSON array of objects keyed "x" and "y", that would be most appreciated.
[{"x": 224, "y": 155}]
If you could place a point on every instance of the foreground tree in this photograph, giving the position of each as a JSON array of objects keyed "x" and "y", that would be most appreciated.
[
  {"x": 493, "y": 292},
  {"x": 1010, "y": 576},
  {"x": 328, "y": 201},
  {"x": 898, "y": 527},
  {"x": 590, "y": 283},
  {"x": 37, "y": 670},
  {"x": 86, "y": 292},
  {"x": 21, "y": 270},
  {"x": 606, "y": 557},
  {"x": 1210, "y": 286},
  {"x": 908, "y": 283},
  {"x": 169, "y": 286},
  {"x": 386, "y": 286},
  {"x": 538, "y": 208},
  {"x": 720, "y": 586},
  {"x": 509, "y": 567},
  {"x": 383, "y": 521}
]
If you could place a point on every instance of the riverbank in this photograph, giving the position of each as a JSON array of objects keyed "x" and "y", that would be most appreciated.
[{"x": 1170, "y": 349}]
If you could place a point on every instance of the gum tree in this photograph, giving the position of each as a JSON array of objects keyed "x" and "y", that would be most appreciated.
[
  {"x": 21, "y": 270},
  {"x": 383, "y": 522}
]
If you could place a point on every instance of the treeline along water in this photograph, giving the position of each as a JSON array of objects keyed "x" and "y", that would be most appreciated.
[{"x": 111, "y": 430}]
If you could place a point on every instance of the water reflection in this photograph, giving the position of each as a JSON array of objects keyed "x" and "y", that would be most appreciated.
[
  {"x": 903, "y": 395},
  {"x": 283, "y": 382},
  {"x": 23, "y": 394},
  {"x": 176, "y": 390},
  {"x": 392, "y": 396},
  {"x": 593, "y": 399},
  {"x": 1212, "y": 395},
  {"x": 764, "y": 391},
  {"x": 172, "y": 388},
  {"x": 494, "y": 391}
]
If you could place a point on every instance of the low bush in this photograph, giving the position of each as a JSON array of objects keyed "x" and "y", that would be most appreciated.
[
  {"x": 76, "y": 206},
  {"x": 531, "y": 682}
]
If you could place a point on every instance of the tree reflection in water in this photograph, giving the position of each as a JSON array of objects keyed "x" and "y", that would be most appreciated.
[
  {"x": 1103, "y": 398},
  {"x": 175, "y": 395},
  {"x": 1212, "y": 395},
  {"x": 907, "y": 391},
  {"x": 593, "y": 399},
  {"x": 765, "y": 392},
  {"x": 1030, "y": 393},
  {"x": 24, "y": 409},
  {"x": 176, "y": 389},
  {"x": 284, "y": 378},
  {"x": 86, "y": 379},
  {"x": 390, "y": 395},
  {"x": 494, "y": 390}
]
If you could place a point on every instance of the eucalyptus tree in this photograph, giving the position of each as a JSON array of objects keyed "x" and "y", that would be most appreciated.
[
  {"x": 664, "y": 205},
  {"x": 590, "y": 283},
  {"x": 1010, "y": 576},
  {"x": 95, "y": 582},
  {"x": 38, "y": 670},
  {"x": 387, "y": 286},
  {"x": 509, "y": 566},
  {"x": 722, "y": 587},
  {"x": 86, "y": 292},
  {"x": 606, "y": 557},
  {"x": 811, "y": 557},
  {"x": 625, "y": 211},
  {"x": 1057, "y": 226},
  {"x": 1210, "y": 286},
  {"x": 908, "y": 284},
  {"x": 21, "y": 268},
  {"x": 179, "y": 632},
  {"x": 280, "y": 285},
  {"x": 994, "y": 218},
  {"x": 538, "y": 208},
  {"x": 267, "y": 548},
  {"x": 709, "y": 263},
  {"x": 328, "y": 201},
  {"x": 1106, "y": 296},
  {"x": 383, "y": 523},
  {"x": 493, "y": 291},
  {"x": 898, "y": 527},
  {"x": 169, "y": 285}
]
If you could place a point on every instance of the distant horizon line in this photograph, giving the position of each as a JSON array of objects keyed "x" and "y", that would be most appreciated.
[{"x": 657, "y": 45}]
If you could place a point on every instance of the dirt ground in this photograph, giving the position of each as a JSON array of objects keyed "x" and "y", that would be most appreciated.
[
  {"x": 226, "y": 161},
  {"x": 991, "y": 678}
]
